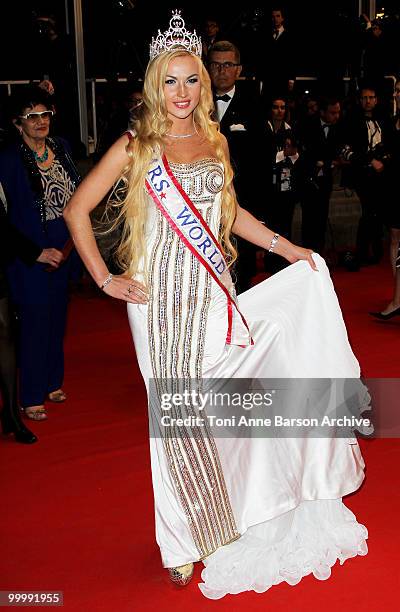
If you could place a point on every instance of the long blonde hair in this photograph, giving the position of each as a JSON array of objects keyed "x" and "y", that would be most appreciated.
[{"x": 129, "y": 196}]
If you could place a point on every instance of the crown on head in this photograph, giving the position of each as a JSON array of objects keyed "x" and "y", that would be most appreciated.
[{"x": 176, "y": 37}]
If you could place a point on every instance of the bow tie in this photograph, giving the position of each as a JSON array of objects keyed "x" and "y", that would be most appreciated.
[{"x": 224, "y": 98}]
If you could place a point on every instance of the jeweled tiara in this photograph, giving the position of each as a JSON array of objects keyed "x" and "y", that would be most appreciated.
[{"x": 176, "y": 37}]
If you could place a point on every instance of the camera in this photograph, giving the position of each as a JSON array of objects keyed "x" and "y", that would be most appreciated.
[{"x": 377, "y": 152}]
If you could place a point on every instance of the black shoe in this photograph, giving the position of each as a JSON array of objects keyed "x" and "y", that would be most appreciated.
[
  {"x": 21, "y": 433},
  {"x": 385, "y": 317},
  {"x": 25, "y": 436}
]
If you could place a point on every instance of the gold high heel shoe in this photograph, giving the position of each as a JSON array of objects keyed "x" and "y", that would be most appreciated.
[{"x": 182, "y": 575}]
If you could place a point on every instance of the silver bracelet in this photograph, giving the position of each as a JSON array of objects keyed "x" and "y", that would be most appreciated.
[
  {"x": 107, "y": 281},
  {"x": 273, "y": 243}
]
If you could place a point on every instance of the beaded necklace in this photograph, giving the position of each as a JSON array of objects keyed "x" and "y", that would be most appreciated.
[{"x": 43, "y": 158}]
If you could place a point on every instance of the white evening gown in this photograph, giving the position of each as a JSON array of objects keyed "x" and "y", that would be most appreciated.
[{"x": 257, "y": 511}]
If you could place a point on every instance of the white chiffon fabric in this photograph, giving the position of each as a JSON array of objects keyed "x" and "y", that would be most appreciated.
[
  {"x": 308, "y": 539},
  {"x": 285, "y": 493}
]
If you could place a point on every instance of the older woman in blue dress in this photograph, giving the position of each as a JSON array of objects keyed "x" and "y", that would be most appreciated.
[{"x": 39, "y": 177}]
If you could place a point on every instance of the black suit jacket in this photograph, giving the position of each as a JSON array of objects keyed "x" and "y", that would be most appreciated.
[
  {"x": 357, "y": 139},
  {"x": 317, "y": 147},
  {"x": 277, "y": 64},
  {"x": 244, "y": 109}
]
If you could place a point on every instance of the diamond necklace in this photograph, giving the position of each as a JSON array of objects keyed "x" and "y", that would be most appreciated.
[
  {"x": 181, "y": 135},
  {"x": 184, "y": 135}
]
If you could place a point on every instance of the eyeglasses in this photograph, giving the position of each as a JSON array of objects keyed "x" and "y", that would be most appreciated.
[
  {"x": 34, "y": 117},
  {"x": 223, "y": 65}
]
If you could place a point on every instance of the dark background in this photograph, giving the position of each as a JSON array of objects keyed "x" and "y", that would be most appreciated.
[{"x": 116, "y": 37}]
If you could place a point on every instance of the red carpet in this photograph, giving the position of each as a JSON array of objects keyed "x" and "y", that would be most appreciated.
[{"x": 77, "y": 507}]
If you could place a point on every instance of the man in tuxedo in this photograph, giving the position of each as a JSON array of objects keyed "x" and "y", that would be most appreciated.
[
  {"x": 369, "y": 143},
  {"x": 321, "y": 144},
  {"x": 239, "y": 114},
  {"x": 277, "y": 54}
]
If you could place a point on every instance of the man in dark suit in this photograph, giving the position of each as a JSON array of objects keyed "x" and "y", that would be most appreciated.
[
  {"x": 211, "y": 35},
  {"x": 239, "y": 114},
  {"x": 321, "y": 144},
  {"x": 278, "y": 56},
  {"x": 368, "y": 149}
]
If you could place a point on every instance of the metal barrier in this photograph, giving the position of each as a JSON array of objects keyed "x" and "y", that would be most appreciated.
[{"x": 8, "y": 84}]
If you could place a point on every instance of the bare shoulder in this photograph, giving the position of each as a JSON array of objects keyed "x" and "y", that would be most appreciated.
[{"x": 118, "y": 151}]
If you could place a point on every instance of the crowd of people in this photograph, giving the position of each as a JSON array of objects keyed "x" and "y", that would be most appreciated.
[
  {"x": 298, "y": 149},
  {"x": 298, "y": 141}
]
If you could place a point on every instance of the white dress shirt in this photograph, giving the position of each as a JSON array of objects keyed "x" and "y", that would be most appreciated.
[
  {"x": 325, "y": 126},
  {"x": 222, "y": 106},
  {"x": 278, "y": 32}
]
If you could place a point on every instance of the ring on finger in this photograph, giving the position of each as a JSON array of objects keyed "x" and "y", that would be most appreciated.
[{"x": 130, "y": 288}]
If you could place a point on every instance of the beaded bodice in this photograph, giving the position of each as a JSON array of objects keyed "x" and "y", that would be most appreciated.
[{"x": 202, "y": 180}]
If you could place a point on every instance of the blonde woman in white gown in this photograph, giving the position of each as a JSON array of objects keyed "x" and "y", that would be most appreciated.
[{"x": 256, "y": 511}]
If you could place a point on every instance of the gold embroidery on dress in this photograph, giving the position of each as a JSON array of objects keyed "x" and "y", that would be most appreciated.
[{"x": 177, "y": 335}]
